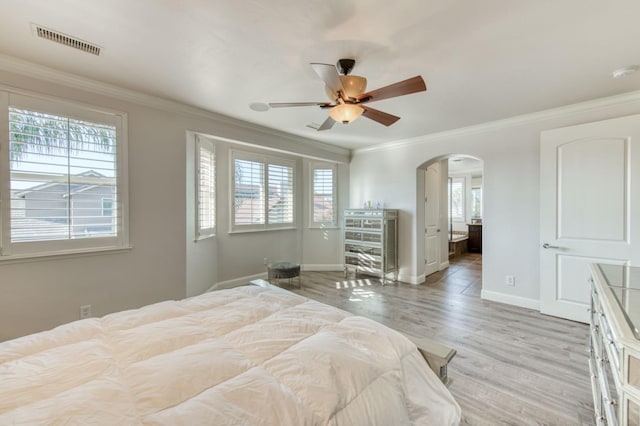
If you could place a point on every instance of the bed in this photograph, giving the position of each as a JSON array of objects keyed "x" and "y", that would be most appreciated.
[{"x": 243, "y": 356}]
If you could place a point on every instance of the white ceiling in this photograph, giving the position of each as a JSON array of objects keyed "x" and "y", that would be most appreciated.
[
  {"x": 461, "y": 164},
  {"x": 481, "y": 60}
]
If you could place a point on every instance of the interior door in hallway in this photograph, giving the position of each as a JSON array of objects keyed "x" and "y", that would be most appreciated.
[
  {"x": 432, "y": 219},
  {"x": 589, "y": 198}
]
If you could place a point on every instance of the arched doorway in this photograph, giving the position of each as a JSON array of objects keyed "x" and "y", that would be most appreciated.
[{"x": 450, "y": 216}]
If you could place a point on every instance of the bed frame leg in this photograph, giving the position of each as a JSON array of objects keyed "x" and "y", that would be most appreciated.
[{"x": 436, "y": 354}]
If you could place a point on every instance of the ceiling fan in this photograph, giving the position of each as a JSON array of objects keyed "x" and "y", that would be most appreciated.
[{"x": 348, "y": 96}]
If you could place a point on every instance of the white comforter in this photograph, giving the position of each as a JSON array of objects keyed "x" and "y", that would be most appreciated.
[{"x": 245, "y": 356}]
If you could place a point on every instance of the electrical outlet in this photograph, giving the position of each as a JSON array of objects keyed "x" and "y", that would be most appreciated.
[
  {"x": 266, "y": 261},
  {"x": 510, "y": 280},
  {"x": 85, "y": 311}
]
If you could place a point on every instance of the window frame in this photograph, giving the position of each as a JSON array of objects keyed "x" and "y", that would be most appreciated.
[
  {"x": 208, "y": 145},
  {"x": 476, "y": 193},
  {"x": 313, "y": 166},
  {"x": 463, "y": 197},
  {"x": 265, "y": 160},
  {"x": 51, "y": 105}
]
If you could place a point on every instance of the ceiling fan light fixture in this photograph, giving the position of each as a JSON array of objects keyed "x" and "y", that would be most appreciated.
[
  {"x": 345, "y": 113},
  {"x": 354, "y": 85}
]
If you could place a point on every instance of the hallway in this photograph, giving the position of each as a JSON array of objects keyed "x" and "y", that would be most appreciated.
[{"x": 463, "y": 276}]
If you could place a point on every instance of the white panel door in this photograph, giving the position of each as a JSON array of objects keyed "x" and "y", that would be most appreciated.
[
  {"x": 432, "y": 219},
  {"x": 589, "y": 198}
]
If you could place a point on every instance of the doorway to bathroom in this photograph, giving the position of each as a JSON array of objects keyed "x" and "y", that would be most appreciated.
[{"x": 453, "y": 224}]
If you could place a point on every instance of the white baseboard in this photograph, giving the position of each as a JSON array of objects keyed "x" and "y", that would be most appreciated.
[
  {"x": 419, "y": 279},
  {"x": 523, "y": 302},
  {"x": 321, "y": 267},
  {"x": 237, "y": 282},
  {"x": 411, "y": 279}
]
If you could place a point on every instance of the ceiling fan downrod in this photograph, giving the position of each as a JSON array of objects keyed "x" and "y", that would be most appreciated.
[{"x": 345, "y": 66}]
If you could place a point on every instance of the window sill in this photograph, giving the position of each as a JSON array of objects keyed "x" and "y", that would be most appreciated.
[
  {"x": 246, "y": 231},
  {"x": 321, "y": 227},
  {"x": 63, "y": 254}
]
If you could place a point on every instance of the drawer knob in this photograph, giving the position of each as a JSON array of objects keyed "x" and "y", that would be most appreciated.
[{"x": 610, "y": 401}]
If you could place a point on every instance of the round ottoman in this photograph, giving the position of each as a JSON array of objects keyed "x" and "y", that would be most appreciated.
[{"x": 283, "y": 270}]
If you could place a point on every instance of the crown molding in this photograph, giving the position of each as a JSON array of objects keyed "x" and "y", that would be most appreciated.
[
  {"x": 51, "y": 75},
  {"x": 563, "y": 111}
]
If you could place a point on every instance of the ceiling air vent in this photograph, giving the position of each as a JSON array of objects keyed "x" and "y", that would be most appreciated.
[{"x": 61, "y": 38}]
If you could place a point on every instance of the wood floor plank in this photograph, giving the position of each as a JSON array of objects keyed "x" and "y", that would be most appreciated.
[{"x": 514, "y": 366}]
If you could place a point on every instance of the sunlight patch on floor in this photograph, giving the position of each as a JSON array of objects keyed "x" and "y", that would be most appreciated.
[
  {"x": 359, "y": 294},
  {"x": 353, "y": 283}
]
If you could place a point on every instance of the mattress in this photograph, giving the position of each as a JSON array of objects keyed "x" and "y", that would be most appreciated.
[{"x": 243, "y": 356}]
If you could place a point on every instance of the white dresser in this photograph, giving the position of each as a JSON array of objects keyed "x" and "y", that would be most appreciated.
[
  {"x": 614, "y": 344},
  {"x": 371, "y": 242}
]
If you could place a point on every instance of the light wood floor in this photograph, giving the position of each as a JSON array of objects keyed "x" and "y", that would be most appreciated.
[{"x": 514, "y": 366}]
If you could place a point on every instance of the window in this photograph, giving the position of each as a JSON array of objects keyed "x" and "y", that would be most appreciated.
[
  {"x": 323, "y": 199},
  {"x": 456, "y": 199},
  {"x": 205, "y": 188},
  {"x": 64, "y": 180},
  {"x": 476, "y": 203},
  {"x": 263, "y": 189},
  {"x": 107, "y": 207}
]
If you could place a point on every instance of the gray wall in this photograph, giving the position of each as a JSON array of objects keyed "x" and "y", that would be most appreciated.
[
  {"x": 164, "y": 262},
  {"x": 510, "y": 150}
]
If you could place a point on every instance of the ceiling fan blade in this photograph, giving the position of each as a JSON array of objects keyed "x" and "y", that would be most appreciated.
[
  {"x": 329, "y": 74},
  {"x": 405, "y": 87},
  {"x": 297, "y": 104},
  {"x": 379, "y": 116},
  {"x": 328, "y": 123}
]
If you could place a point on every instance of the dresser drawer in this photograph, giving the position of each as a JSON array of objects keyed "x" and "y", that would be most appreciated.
[
  {"x": 359, "y": 223},
  {"x": 363, "y": 250},
  {"x": 365, "y": 237}
]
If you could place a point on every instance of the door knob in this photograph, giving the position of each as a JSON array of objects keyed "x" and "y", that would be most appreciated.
[{"x": 549, "y": 246}]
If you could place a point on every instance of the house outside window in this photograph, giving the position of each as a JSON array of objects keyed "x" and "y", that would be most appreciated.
[
  {"x": 64, "y": 170},
  {"x": 323, "y": 192},
  {"x": 263, "y": 192},
  {"x": 107, "y": 207}
]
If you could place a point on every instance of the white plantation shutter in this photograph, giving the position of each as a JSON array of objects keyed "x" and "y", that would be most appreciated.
[
  {"x": 206, "y": 188},
  {"x": 263, "y": 189},
  {"x": 323, "y": 199},
  {"x": 280, "y": 205},
  {"x": 249, "y": 192},
  {"x": 64, "y": 178}
]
